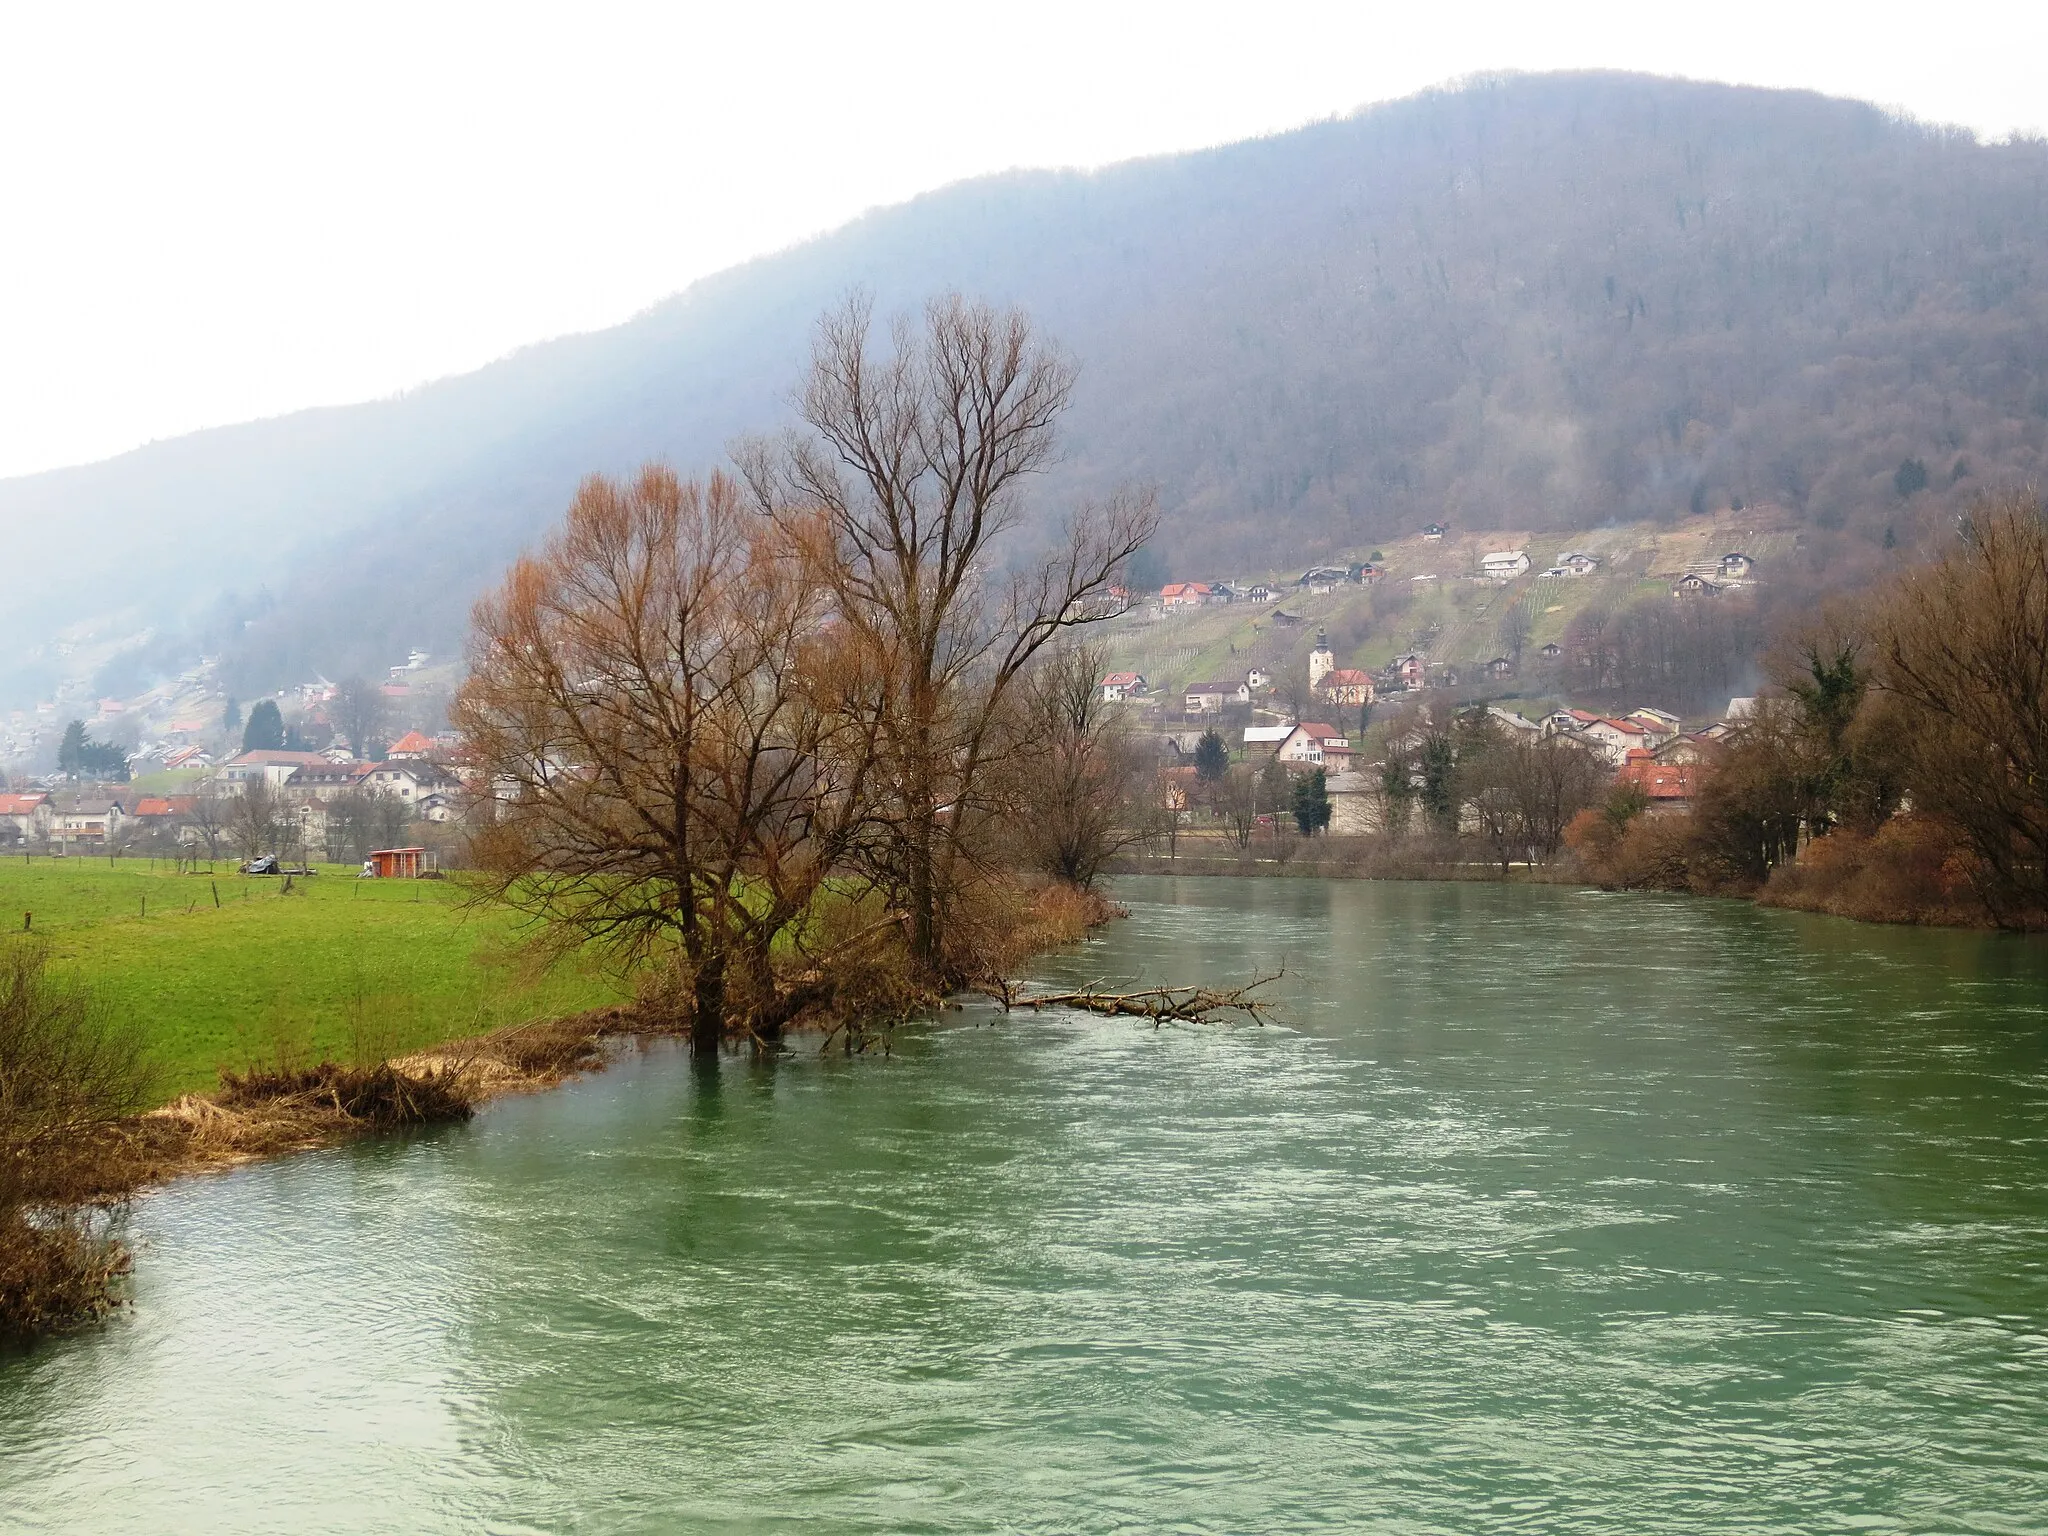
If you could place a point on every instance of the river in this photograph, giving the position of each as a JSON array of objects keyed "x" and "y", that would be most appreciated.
[{"x": 1534, "y": 1209}]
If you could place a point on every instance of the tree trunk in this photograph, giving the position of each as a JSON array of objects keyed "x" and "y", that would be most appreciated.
[{"x": 707, "y": 1022}]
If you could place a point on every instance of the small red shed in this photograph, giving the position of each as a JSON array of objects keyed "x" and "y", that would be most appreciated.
[{"x": 397, "y": 863}]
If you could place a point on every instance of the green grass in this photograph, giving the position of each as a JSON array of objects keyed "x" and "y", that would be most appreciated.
[{"x": 339, "y": 967}]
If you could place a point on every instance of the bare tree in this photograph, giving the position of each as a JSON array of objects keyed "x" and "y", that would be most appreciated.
[
  {"x": 678, "y": 730},
  {"x": 1963, "y": 646},
  {"x": 256, "y": 821},
  {"x": 357, "y": 712},
  {"x": 917, "y": 461},
  {"x": 1077, "y": 777}
]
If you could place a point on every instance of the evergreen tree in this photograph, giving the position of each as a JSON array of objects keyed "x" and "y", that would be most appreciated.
[
  {"x": 265, "y": 730},
  {"x": 1212, "y": 758},
  {"x": 1311, "y": 803},
  {"x": 1439, "y": 782},
  {"x": 71, "y": 751},
  {"x": 231, "y": 721}
]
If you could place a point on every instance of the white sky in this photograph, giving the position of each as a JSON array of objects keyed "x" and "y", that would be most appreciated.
[{"x": 213, "y": 212}]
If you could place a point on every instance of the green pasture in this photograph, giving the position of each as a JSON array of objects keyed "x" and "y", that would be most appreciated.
[{"x": 224, "y": 970}]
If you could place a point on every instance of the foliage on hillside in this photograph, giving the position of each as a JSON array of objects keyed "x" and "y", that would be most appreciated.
[{"x": 1543, "y": 303}]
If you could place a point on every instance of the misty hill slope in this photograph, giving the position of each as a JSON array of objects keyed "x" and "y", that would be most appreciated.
[{"x": 1545, "y": 302}]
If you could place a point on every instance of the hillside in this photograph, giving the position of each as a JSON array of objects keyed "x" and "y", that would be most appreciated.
[
  {"x": 1686, "y": 656},
  {"x": 1541, "y": 304}
]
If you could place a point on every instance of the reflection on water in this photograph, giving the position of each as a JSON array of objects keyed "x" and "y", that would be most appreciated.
[{"x": 1538, "y": 1210}]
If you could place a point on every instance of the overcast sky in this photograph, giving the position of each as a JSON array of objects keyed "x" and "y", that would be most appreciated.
[{"x": 214, "y": 212}]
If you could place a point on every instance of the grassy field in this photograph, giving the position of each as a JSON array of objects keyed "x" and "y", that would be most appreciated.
[{"x": 337, "y": 967}]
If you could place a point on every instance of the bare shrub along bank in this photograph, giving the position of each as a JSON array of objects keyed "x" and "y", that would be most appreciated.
[{"x": 68, "y": 1075}]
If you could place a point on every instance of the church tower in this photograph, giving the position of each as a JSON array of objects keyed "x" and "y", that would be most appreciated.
[{"x": 1321, "y": 661}]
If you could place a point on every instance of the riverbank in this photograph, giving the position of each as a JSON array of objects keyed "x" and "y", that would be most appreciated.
[
  {"x": 1907, "y": 874},
  {"x": 65, "y": 1263}
]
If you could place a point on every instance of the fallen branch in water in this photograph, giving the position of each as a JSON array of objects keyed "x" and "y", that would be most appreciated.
[{"x": 1161, "y": 1005}]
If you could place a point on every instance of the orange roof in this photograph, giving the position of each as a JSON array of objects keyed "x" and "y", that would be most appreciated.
[
  {"x": 159, "y": 805},
  {"x": 1659, "y": 781},
  {"x": 1345, "y": 677},
  {"x": 411, "y": 741},
  {"x": 20, "y": 805}
]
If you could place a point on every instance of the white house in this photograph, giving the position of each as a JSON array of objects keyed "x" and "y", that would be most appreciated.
[
  {"x": 1517, "y": 726},
  {"x": 275, "y": 768},
  {"x": 1266, "y": 737},
  {"x": 1736, "y": 566},
  {"x": 25, "y": 817},
  {"x": 1574, "y": 563},
  {"x": 1504, "y": 564},
  {"x": 1317, "y": 745},
  {"x": 1122, "y": 685},
  {"x": 92, "y": 823},
  {"x": 1615, "y": 739}
]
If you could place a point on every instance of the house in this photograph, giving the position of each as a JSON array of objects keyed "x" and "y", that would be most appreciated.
[
  {"x": 440, "y": 805},
  {"x": 1259, "y": 592},
  {"x": 1504, "y": 564},
  {"x": 1696, "y": 747},
  {"x": 1434, "y": 531},
  {"x": 25, "y": 818},
  {"x": 409, "y": 781},
  {"x": 1550, "y": 650},
  {"x": 1693, "y": 584},
  {"x": 87, "y": 823},
  {"x": 1316, "y": 745},
  {"x": 1567, "y": 722},
  {"x": 1412, "y": 672},
  {"x": 1667, "y": 786},
  {"x": 1574, "y": 562},
  {"x": 274, "y": 768},
  {"x": 1258, "y": 677},
  {"x": 1615, "y": 739},
  {"x": 1176, "y": 595},
  {"x": 167, "y": 813},
  {"x": 1118, "y": 685},
  {"x": 1347, "y": 685},
  {"x": 411, "y": 745},
  {"x": 1358, "y": 808},
  {"x": 1209, "y": 698},
  {"x": 1266, "y": 738},
  {"x": 1736, "y": 566},
  {"x": 1661, "y": 725},
  {"x": 1500, "y": 666},
  {"x": 1324, "y": 578},
  {"x": 1515, "y": 725},
  {"x": 322, "y": 781}
]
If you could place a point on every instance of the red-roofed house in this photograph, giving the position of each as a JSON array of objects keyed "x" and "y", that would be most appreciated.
[
  {"x": 411, "y": 745},
  {"x": 1317, "y": 746},
  {"x": 1118, "y": 685},
  {"x": 1346, "y": 685},
  {"x": 25, "y": 818},
  {"x": 1183, "y": 594},
  {"x": 1668, "y": 786}
]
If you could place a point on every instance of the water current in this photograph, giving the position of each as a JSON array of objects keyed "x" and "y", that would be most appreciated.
[{"x": 1534, "y": 1210}]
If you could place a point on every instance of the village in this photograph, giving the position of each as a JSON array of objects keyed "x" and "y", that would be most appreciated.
[
  {"x": 194, "y": 781},
  {"x": 1346, "y": 714}
]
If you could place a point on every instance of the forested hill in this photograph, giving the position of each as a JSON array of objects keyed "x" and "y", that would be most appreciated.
[{"x": 1534, "y": 302}]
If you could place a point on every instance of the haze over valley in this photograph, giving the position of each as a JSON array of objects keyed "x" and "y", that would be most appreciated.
[{"x": 1545, "y": 303}]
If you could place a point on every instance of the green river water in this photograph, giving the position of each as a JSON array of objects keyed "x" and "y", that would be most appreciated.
[{"x": 1535, "y": 1210}]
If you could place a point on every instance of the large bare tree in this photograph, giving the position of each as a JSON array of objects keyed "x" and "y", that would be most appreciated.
[
  {"x": 916, "y": 456},
  {"x": 675, "y": 730}
]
